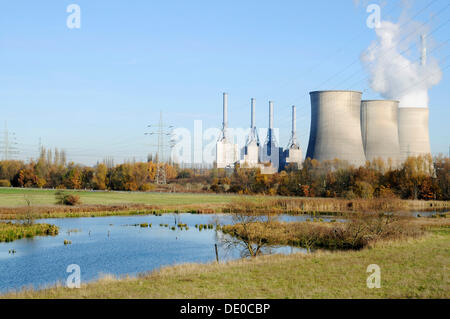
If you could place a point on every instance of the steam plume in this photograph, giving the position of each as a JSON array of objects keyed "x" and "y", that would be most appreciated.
[{"x": 396, "y": 71}]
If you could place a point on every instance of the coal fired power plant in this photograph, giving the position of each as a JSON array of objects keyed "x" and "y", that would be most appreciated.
[
  {"x": 347, "y": 128},
  {"x": 343, "y": 127}
]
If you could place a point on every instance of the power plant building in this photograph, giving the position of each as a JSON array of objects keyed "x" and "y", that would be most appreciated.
[
  {"x": 379, "y": 130},
  {"x": 336, "y": 127},
  {"x": 293, "y": 154},
  {"x": 227, "y": 153},
  {"x": 251, "y": 148},
  {"x": 271, "y": 153}
]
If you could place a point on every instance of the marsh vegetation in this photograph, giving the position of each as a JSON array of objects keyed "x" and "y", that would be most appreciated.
[
  {"x": 358, "y": 232},
  {"x": 12, "y": 231}
]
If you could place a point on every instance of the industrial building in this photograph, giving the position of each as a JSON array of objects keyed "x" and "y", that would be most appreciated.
[
  {"x": 226, "y": 151},
  {"x": 379, "y": 130},
  {"x": 292, "y": 156},
  {"x": 251, "y": 149},
  {"x": 336, "y": 127},
  {"x": 269, "y": 158},
  {"x": 271, "y": 153}
]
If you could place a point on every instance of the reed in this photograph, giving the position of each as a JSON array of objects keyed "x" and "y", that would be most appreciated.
[
  {"x": 201, "y": 204},
  {"x": 328, "y": 206},
  {"x": 13, "y": 231}
]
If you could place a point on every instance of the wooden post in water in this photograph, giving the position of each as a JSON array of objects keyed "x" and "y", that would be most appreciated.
[{"x": 217, "y": 253}]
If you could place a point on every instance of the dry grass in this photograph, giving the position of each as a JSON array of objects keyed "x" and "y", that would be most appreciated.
[{"x": 414, "y": 268}]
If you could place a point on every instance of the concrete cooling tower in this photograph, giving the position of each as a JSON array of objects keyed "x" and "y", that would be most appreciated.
[
  {"x": 379, "y": 129},
  {"x": 336, "y": 127},
  {"x": 413, "y": 133}
]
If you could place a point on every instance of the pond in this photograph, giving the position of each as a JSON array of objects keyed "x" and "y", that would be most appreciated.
[{"x": 115, "y": 245}]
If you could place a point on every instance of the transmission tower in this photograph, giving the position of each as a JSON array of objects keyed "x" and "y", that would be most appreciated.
[
  {"x": 163, "y": 132},
  {"x": 8, "y": 144}
]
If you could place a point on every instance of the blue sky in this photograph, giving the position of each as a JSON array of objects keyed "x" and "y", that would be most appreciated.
[{"x": 94, "y": 90}]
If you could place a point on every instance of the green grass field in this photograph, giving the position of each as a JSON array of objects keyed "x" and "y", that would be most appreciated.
[
  {"x": 14, "y": 197},
  {"x": 409, "y": 269}
]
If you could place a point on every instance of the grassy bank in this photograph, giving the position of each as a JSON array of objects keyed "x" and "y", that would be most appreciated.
[
  {"x": 12, "y": 204},
  {"x": 415, "y": 268},
  {"x": 13, "y": 231}
]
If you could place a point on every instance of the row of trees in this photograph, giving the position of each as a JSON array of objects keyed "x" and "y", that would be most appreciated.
[
  {"x": 418, "y": 178},
  {"x": 52, "y": 171}
]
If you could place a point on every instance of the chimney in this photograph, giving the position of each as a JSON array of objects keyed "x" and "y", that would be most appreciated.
[
  {"x": 294, "y": 124},
  {"x": 423, "y": 56},
  {"x": 225, "y": 115},
  {"x": 270, "y": 115},
  {"x": 253, "y": 114}
]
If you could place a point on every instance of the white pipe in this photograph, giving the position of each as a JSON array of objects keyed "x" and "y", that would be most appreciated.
[
  {"x": 225, "y": 111},
  {"x": 270, "y": 115},
  {"x": 423, "y": 57},
  {"x": 253, "y": 114},
  {"x": 294, "y": 121}
]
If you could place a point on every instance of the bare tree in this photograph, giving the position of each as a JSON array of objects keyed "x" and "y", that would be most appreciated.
[
  {"x": 251, "y": 241},
  {"x": 29, "y": 213}
]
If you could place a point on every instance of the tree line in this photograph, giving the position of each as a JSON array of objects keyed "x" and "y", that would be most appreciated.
[{"x": 417, "y": 178}]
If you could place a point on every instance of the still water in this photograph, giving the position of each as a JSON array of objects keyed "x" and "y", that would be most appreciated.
[{"x": 113, "y": 245}]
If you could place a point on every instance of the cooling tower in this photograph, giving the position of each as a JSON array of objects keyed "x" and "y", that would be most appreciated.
[
  {"x": 413, "y": 131},
  {"x": 336, "y": 127},
  {"x": 379, "y": 129}
]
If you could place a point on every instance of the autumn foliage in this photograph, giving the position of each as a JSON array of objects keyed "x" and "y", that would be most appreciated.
[{"x": 418, "y": 178}]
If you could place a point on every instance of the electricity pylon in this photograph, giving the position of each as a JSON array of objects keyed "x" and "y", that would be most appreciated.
[
  {"x": 162, "y": 131},
  {"x": 8, "y": 144}
]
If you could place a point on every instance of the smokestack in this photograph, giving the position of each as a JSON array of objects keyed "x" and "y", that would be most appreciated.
[
  {"x": 270, "y": 115},
  {"x": 293, "y": 141},
  {"x": 253, "y": 114},
  {"x": 225, "y": 115},
  {"x": 423, "y": 43},
  {"x": 294, "y": 122},
  {"x": 253, "y": 136},
  {"x": 225, "y": 110}
]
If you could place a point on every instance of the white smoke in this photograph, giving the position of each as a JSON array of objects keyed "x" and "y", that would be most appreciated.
[{"x": 395, "y": 68}]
